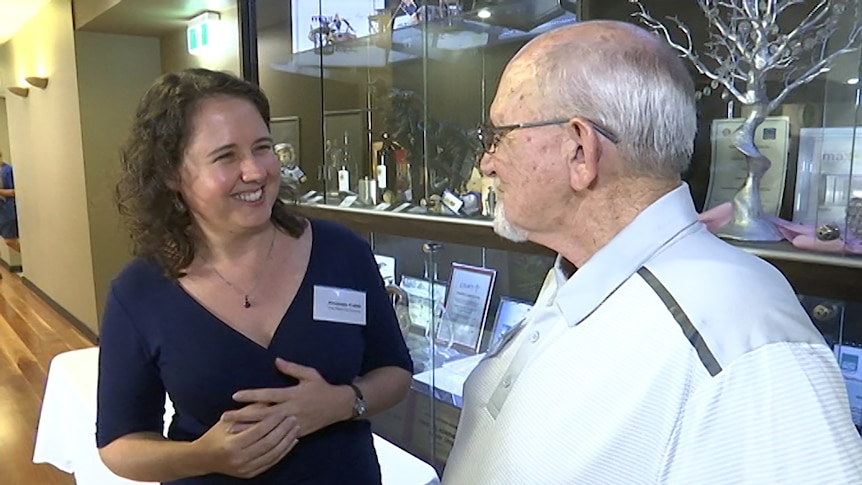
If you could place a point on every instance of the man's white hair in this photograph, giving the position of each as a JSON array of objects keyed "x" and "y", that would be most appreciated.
[{"x": 641, "y": 91}]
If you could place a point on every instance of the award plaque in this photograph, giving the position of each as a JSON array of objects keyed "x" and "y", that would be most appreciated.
[
  {"x": 349, "y": 201},
  {"x": 468, "y": 296},
  {"x": 423, "y": 299},
  {"x": 729, "y": 169}
]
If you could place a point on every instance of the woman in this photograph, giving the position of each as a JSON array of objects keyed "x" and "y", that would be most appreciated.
[{"x": 269, "y": 332}]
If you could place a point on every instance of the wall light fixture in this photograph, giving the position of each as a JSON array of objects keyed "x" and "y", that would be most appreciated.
[
  {"x": 37, "y": 82},
  {"x": 19, "y": 91}
]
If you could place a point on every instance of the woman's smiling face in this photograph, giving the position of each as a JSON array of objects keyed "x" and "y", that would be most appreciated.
[{"x": 229, "y": 176}]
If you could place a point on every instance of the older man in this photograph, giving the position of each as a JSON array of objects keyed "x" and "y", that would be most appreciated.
[{"x": 655, "y": 353}]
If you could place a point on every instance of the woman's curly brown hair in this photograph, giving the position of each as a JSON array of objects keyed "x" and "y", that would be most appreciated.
[{"x": 155, "y": 214}]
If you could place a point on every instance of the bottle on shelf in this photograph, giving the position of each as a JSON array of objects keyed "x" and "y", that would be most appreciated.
[
  {"x": 350, "y": 161},
  {"x": 368, "y": 190},
  {"x": 416, "y": 192},
  {"x": 386, "y": 171},
  {"x": 344, "y": 179},
  {"x": 330, "y": 167}
]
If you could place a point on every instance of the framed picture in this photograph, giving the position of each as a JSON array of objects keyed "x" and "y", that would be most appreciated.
[
  {"x": 510, "y": 312},
  {"x": 468, "y": 296},
  {"x": 850, "y": 362},
  {"x": 286, "y": 131},
  {"x": 423, "y": 299}
]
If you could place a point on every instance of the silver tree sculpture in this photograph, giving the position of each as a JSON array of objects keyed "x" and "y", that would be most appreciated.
[{"x": 746, "y": 47}]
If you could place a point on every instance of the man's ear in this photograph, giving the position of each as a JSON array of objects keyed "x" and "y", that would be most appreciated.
[{"x": 583, "y": 150}]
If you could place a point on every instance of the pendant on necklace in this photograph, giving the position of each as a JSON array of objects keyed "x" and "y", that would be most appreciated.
[{"x": 246, "y": 304}]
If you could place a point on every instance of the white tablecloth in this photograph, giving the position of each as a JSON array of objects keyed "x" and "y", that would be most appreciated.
[{"x": 66, "y": 434}]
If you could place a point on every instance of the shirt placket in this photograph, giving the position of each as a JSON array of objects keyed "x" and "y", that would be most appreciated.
[{"x": 546, "y": 324}]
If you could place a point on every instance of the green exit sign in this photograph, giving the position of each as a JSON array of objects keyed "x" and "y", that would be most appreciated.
[{"x": 199, "y": 33}]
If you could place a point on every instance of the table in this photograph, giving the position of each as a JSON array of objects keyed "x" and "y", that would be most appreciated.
[
  {"x": 446, "y": 383},
  {"x": 66, "y": 437}
]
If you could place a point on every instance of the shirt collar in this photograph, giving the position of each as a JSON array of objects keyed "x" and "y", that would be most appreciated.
[{"x": 580, "y": 294}]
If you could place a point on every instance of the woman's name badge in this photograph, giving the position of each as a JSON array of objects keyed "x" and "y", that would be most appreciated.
[{"x": 339, "y": 305}]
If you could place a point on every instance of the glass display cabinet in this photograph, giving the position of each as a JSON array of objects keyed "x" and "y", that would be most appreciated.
[
  {"x": 389, "y": 94},
  {"x": 458, "y": 300},
  {"x": 384, "y": 96}
]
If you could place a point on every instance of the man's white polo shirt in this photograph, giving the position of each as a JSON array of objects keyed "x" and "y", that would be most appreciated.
[{"x": 669, "y": 357}]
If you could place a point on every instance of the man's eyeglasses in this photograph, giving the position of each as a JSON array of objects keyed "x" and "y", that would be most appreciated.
[{"x": 489, "y": 136}]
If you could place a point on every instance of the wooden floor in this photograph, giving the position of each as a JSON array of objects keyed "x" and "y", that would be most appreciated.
[{"x": 31, "y": 334}]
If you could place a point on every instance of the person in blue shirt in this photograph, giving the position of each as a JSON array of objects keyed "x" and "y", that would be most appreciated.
[
  {"x": 271, "y": 334},
  {"x": 8, "y": 207}
]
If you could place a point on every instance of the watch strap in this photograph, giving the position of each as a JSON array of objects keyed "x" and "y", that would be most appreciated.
[
  {"x": 359, "y": 407},
  {"x": 356, "y": 390}
]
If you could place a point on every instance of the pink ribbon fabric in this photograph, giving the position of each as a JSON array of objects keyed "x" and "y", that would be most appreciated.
[{"x": 802, "y": 236}]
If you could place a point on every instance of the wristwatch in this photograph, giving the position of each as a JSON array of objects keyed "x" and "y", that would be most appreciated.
[{"x": 359, "y": 406}]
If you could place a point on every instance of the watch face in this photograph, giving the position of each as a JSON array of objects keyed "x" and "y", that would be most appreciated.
[{"x": 359, "y": 407}]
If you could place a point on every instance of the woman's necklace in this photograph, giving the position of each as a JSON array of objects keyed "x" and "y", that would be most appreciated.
[{"x": 246, "y": 302}]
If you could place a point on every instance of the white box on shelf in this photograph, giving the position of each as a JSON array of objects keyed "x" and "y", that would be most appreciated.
[{"x": 828, "y": 174}]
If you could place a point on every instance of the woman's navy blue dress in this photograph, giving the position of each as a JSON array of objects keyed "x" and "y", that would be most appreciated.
[{"x": 155, "y": 338}]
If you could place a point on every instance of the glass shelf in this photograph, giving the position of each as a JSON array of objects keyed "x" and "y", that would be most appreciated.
[
  {"x": 785, "y": 251},
  {"x": 382, "y": 221}
]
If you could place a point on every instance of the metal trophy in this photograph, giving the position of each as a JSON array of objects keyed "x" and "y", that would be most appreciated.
[{"x": 747, "y": 46}]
